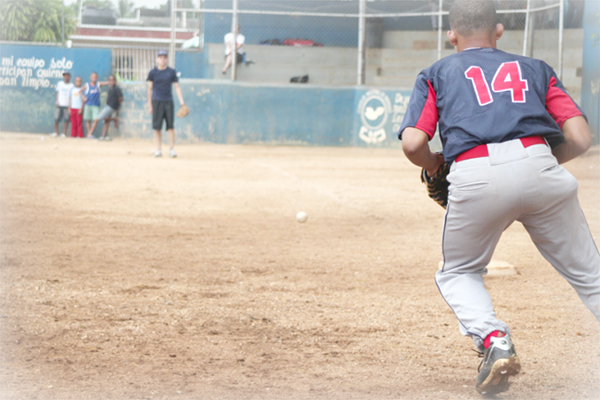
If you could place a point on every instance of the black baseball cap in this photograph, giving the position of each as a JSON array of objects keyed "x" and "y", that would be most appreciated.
[
  {"x": 162, "y": 53},
  {"x": 66, "y": 73}
]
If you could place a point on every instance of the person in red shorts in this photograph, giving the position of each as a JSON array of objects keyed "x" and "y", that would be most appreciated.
[{"x": 76, "y": 103}]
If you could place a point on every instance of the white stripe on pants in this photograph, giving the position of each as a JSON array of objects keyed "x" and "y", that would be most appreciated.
[{"x": 487, "y": 195}]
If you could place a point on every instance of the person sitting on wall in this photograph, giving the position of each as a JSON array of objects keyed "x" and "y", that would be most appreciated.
[{"x": 237, "y": 43}]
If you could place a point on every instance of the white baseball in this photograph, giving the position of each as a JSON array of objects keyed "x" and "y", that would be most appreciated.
[{"x": 301, "y": 216}]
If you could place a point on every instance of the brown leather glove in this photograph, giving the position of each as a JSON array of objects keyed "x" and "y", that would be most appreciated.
[
  {"x": 183, "y": 111},
  {"x": 437, "y": 185}
]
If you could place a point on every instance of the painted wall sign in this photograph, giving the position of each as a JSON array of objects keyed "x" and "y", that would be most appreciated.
[{"x": 28, "y": 78}]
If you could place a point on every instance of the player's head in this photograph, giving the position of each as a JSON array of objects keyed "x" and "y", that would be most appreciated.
[
  {"x": 471, "y": 16},
  {"x": 162, "y": 59},
  {"x": 66, "y": 76},
  {"x": 78, "y": 81},
  {"x": 474, "y": 19},
  {"x": 94, "y": 77},
  {"x": 111, "y": 80}
]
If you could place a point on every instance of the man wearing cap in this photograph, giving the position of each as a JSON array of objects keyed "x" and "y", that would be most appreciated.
[
  {"x": 160, "y": 101},
  {"x": 63, "y": 96}
]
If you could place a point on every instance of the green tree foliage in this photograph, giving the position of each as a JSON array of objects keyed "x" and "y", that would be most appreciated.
[
  {"x": 35, "y": 20},
  {"x": 99, "y": 4},
  {"x": 125, "y": 8}
]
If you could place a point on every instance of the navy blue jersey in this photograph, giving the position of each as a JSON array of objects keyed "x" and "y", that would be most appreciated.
[
  {"x": 162, "y": 80},
  {"x": 485, "y": 95}
]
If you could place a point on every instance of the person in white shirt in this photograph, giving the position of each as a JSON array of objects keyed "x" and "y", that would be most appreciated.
[
  {"x": 63, "y": 98},
  {"x": 230, "y": 44}
]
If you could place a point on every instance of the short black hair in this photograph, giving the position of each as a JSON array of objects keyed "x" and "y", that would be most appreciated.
[{"x": 470, "y": 16}]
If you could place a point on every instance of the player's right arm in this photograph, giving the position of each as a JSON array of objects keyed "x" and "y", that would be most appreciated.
[
  {"x": 150, "y": 86},
  {"x": 578, "y": 139},
  {"x": 150, "y": 81}
]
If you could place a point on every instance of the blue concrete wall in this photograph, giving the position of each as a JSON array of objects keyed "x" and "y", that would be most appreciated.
[
  {"x": 193, "y": 65},
  {"x": 590, "y": 79},
  {"x": 28, "y": 78},
  {"x": 224, "y": 112}
]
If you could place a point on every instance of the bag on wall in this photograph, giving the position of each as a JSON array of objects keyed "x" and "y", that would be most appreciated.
[{"x": 299, "y": 79}]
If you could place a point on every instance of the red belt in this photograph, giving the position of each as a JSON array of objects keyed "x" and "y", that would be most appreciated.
[{"x": 482, "y": 150}]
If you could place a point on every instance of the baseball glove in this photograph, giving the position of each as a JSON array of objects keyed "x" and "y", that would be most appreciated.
[
  {"x": 437, "y": 185},
  {"x": 183, "y": 111}
]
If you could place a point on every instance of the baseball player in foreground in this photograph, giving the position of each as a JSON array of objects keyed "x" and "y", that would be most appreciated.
[{"x": 506, "y": 124}]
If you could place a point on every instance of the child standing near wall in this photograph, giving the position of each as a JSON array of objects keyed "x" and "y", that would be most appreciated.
[
  {"x": 76, "y": 103},
  {"x": 92, "y": 109}
]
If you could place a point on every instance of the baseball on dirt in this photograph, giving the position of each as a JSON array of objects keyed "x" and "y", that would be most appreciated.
[{"x": 301, "y": 216}]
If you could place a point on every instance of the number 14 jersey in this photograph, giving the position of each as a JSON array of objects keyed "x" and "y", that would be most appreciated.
[{"x": 484, "y": 95}]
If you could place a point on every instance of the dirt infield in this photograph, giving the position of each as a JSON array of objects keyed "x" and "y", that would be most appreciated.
[{"x": 129, "y": 277}]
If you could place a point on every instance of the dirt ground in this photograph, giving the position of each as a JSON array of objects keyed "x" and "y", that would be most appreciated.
[{"x": 129, "y": 277}]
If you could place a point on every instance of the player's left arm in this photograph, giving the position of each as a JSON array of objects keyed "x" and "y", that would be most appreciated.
[
  {"x": 571, "y": 120},
  {"x": 578, "y": 139},
  {"x": 178, "y": 92}
]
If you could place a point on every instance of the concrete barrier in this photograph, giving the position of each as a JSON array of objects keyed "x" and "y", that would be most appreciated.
[{"x": 224, "y": 112}]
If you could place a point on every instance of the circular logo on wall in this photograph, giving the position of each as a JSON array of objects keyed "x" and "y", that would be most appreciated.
[{"x": 374, "y": 109}]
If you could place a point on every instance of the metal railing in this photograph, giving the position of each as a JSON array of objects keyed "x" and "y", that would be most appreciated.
[
  {"x": 340, "y": 24},
  {"x": 362, "y": 14}
]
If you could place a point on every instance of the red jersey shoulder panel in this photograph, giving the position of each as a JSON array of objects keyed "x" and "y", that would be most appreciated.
[
  {"x": 559, "y": 105},
  {"x": 429, "y": 116}
]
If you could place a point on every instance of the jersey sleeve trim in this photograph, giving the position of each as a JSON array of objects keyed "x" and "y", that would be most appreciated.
[
  {"x": 559, "y": 104},
  {"x": 429, "y": 116}
]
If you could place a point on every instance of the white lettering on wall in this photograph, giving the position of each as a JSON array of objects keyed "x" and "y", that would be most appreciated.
[{"x": 32, "y": 72}]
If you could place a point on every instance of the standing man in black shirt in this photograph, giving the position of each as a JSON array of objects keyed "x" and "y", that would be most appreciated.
[{"x": 161, "y": 79}]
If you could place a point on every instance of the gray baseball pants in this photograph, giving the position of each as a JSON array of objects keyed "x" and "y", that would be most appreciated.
[{"x": 487, "y": 194}]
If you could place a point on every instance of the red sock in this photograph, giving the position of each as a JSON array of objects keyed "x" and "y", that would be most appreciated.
[{"x": 486, "y": 342}]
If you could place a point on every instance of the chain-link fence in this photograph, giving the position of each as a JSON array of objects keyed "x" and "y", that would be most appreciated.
[
  {"x": 348, "y": 42},
  {"x": 329, "y": 42}
]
